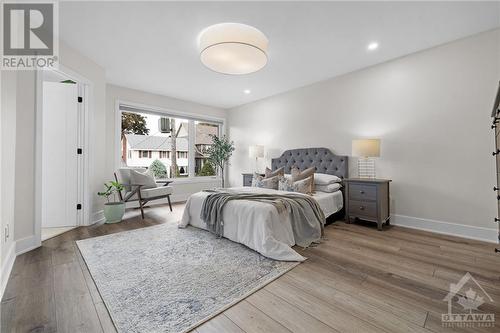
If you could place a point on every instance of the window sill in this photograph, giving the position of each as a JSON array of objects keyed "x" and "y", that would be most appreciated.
[{"x": 195, "y": 180}]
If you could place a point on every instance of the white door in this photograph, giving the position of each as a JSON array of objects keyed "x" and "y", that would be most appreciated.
[{"x": 59, "y": 155}]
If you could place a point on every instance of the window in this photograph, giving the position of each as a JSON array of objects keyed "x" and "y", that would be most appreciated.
[
  {"x": 202, "y": 143},
  {"x": 145, "y": 153},
  {"x": 156, "y": 136}
]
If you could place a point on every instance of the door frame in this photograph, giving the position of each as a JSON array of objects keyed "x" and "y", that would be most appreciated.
[{"x": 84, "y": 87}]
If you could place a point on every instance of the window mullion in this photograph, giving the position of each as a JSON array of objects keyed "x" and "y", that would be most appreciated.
[{"x": 191, "y": 149}]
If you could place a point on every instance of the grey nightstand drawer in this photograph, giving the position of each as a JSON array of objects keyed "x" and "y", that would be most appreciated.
[
  {"x": 363, "y": 208},
  {"x": 247, "y": 180},
  {"x": 362, "y": 192}
]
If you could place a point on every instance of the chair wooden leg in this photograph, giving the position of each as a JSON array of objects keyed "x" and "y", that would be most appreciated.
[
  {"x": 142, "y": 210},
  {"x": 169, "y": 203},
  {"x": 140, "y": 204}
]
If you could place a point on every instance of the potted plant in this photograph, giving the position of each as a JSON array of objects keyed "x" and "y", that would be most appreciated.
[
  {"x": 219, "y": 153},
  {"x": 113, "y": 210}
]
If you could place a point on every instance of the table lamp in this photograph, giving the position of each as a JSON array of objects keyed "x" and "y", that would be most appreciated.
[
  {"x": 366, "y": 149},
  {"x": 256, "y": 151}
]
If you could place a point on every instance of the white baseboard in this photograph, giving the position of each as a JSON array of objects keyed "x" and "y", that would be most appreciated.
[
  {"x": 179, "y": 197},
  {"x": 26, "y": 244},
  {"x": 97, "y": 217},
  {"x": 7, "y": 268},
  {"x": 173, "y": 198},
  {"x": 447, "y": 228}
]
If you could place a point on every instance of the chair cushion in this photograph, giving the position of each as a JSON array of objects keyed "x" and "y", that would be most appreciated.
[
  {"x": 153, "y": 192},
  {"x": 123, "y": 175},
  {"x": 145, "y": 179}
]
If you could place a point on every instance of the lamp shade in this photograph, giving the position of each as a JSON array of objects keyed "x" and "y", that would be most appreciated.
[
  {"x": 366, "y": 147},
  {"x": 233, "y": 48},
  {"x": 256, "y": 151}
]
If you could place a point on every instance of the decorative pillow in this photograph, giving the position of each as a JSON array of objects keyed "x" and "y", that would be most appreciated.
[
  {"x": 257, "y": 180},
  {"x": 304, "y": 185},
  {"x": 278, "y": 172},
  {"x": 285, "y": 183},
  {"x": 298, "y": 175},
  {"x": 324, "y": 179},
  {"x": 330, "y": 188},
  {"x": 142, "y": 178},
  {"x": 270, "y": 183}
]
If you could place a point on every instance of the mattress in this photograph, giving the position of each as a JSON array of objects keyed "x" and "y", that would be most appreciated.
[
  {"x": 256, "y": 224},
  {"x": 330, "y": 203}
]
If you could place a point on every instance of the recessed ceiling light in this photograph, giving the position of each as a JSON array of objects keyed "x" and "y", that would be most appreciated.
[
  {"x": 372, "y": 46},
  {"x": 233, "y": 48},
  {"x": 247, "y": 91}
]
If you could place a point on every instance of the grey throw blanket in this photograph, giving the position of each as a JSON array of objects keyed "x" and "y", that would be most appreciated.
[{"x": 305, "y": 214}]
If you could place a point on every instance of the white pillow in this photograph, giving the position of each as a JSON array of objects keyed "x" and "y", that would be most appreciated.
[
  {"x": 145, "y": 179},
  {"x": 328, "y": 188},
  {"x": 324, "y": 179}
]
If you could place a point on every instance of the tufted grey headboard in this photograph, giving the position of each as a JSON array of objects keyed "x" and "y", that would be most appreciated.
[{"x": 322, "y": 158}]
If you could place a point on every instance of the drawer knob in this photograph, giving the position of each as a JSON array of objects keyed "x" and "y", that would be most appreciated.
[
  {"x": 497, "y": 219},
  {"x": 496, "y": 152},
  {"x": 362, "y": 192},
  {"x": 495, "y": 188},
  {"x": 361, "y": 208}
]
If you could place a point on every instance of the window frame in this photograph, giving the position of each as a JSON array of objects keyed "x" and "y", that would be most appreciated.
[
  {"x": 191, "y": 117},
  {"x": 145, "y": 153}
]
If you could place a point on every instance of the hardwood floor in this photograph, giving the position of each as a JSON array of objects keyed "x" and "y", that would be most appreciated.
[{"x": 358, "y": 280}]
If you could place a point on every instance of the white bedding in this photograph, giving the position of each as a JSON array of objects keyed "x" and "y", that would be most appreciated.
[{"x": 256, "y": 224}]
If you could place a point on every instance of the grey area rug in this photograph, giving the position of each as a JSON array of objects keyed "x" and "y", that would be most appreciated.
[{"x": 165, "y": 279}]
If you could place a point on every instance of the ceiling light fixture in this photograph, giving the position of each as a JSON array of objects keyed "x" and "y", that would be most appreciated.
[
  {"x": 247, "y": 91},
  {"x": 233, "y": 48},
  {"x": 372, "y": 46}
]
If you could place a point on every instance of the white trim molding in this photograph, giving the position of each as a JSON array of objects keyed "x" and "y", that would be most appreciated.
[
  {"x": 26, "y": 244},
  {"x": 97, "y": 217},
  {"x": 446, "y": 228},
  {"x": 7, "y": 268}
]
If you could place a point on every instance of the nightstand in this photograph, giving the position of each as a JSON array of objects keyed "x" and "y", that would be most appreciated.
[
  {"x": 368, "y": 199},
  {"x": 247, "y": 178}
]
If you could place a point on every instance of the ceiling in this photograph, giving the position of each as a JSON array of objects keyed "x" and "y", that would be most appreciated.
[{"x": 153, "y": 46}]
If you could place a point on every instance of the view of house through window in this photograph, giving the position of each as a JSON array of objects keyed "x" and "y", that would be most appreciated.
[
  {"x": 203, "y": 141},
  {"x": 162, "y": 144}
]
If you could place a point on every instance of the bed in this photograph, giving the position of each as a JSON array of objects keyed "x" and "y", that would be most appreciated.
[{"x": 259, "y": 225}]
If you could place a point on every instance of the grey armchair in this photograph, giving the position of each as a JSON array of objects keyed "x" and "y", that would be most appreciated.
[{"x": 136, "y": 192}]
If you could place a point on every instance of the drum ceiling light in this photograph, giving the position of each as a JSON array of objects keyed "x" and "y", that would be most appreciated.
[{"x": 233, "y": 48}]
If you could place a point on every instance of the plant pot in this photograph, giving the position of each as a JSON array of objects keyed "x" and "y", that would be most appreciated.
[{"x": 113, "y": 211}]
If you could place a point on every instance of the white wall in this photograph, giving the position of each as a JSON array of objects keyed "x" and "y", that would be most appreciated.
[
  {"x": 7, "y": 172},
  {"x": 24, "y": 161},
  {"x": 431, "y": 110},
  {"x": 182, "y": 190}
]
